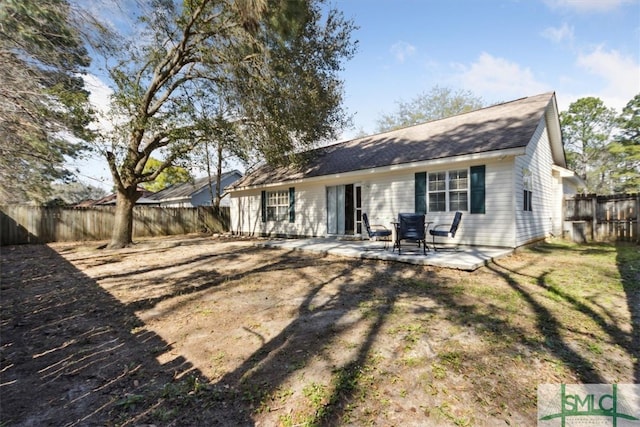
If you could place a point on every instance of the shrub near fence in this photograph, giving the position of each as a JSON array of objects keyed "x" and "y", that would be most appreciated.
[
  {"x": 604, "y": 218},
  {"x": 34, "y": 224}
]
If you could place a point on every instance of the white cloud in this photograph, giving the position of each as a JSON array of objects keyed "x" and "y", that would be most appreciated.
[
  {"x": 587, "y": 5},
  {"x": 99, "y": 93},
  {"x": 498, "y": 79},
  {"x": 557, "y": 35},
  {"x": 401, "y": 50},
  {"x": 620, "y": 75},
  {"x": 94, "y": 169}
]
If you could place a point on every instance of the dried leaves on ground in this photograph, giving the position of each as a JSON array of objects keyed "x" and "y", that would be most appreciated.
[{"x": 208, "y": 331}]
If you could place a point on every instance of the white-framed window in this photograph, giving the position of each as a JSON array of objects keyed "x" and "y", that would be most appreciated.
[
  {"x": 277, "y": 205},
  {"x": 448, "y": 191},
  {"x": 459, "y": 190},
  {"x": 437, "y": 192},
  {"x": 527, "y": 185}
]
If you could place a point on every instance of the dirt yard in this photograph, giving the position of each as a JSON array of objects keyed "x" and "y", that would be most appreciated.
[{"x": 201, "y": 331}]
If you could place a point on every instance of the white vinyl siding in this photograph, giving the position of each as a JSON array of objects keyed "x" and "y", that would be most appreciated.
[
  {"x": 537, "y": 223},
  {"x": 245, "y": 213},
  {"x": 384, "y": 195},
  {"x": 310, "y": 217},
  {"x": 388, "y": 194},
  {"x": 496, "y": 226},
  {"x": 311, "y": 211}
]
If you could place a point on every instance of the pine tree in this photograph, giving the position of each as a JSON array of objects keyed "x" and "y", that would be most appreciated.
[
  {"x": 626, "y": 149},
  {"x": 42, "y": 98},
  {"x": 586, "y": 131}
]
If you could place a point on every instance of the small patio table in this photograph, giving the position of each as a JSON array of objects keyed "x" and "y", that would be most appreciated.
[{"x": 394, "y": 231}]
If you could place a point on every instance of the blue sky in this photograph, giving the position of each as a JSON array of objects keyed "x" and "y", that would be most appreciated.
[{"x": 499, "y": 50}]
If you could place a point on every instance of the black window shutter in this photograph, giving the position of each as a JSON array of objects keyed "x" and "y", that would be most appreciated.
[
  {"x": 477, "y": 189},
  {"x": 263, "y": 203},
  {"x": 292, "y": 204},
  {"x": 421, "y": 192}
]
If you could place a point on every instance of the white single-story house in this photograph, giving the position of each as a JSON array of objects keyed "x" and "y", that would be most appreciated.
[
  {"x": 503, "y": 167},
  {"x": 196, "y": 193}
]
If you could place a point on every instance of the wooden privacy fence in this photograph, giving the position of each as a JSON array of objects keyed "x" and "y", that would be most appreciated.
[
  {"x": 603, "y": 218},
  {"x": 33, "y": 224}
]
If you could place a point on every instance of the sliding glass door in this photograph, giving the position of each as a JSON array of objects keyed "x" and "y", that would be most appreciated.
[
  {"x": 335, "y": 209},
  {"x": 344, "y": 209}
]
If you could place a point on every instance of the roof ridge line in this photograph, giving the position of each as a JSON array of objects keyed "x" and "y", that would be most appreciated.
[{"x": 436, "y": 120}]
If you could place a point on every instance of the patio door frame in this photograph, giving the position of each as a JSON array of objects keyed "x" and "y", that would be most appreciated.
[{"x": 344, "y": 209}]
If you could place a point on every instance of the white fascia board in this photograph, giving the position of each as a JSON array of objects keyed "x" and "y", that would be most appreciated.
[
  {"x": 569, "y": 174},
  {"x": 361, "y": 173}
]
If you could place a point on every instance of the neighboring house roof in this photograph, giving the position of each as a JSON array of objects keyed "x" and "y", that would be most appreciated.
[
  {"x": 189, "y": 189},
  {"x": 111, "y": 200},
  {"x": 504, "y": 126}
]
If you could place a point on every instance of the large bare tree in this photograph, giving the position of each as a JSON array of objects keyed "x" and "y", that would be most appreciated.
[{"x": 276, "y": 61}]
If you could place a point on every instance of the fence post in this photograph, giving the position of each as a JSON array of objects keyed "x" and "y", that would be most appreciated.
[
  {"x": 637, "y": 212},
  {"x": 594, "y": 224}
]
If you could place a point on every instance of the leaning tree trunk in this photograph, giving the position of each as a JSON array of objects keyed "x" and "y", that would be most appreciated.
[{"x": 123, "y": 227}]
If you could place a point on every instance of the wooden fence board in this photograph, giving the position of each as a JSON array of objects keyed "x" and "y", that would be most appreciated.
[
  {"x": 604, "y": 218},
  {"x": 34, "y": 224}
]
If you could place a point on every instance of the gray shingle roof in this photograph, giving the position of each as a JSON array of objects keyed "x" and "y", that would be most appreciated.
[{"x": 503, "y": 126}]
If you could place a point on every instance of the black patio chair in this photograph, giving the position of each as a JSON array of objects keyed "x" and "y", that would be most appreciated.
[
  {"x": 379, "y": 232},
  {"x": 410, "y": 227},
  {"x": 450, "y": 233}
]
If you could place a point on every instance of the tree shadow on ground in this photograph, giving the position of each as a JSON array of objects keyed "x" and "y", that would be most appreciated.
[
  {"x": 269, "y": 367},
  {"x": 71, "y": 354},
  {"x": 551, "y": 328},
  {"x": 317, "y": 324},
  {"x": 628, "y": 261},
  {"x": 319, "y": 320},
  {"x": 96, "y": 362}
]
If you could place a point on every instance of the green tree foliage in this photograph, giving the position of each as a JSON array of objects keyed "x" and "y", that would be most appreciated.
[
  {"x": 169, "y": 176},
  {"x": 586, "y": 131},
  {"x": 297, "y": 103},
  {"x": 73, "y": 193},
  {"x": 625, "y": 149},
  {"x": 277, "y": 65},
  {"x": 438, "y": 103},
  {"x": 42, "y": 100}
]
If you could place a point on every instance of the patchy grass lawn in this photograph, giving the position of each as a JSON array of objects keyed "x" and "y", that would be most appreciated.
[{"x": 201, "y": 331}]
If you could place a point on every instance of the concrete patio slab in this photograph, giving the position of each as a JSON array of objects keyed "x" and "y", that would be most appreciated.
[{"x": 466, "y": 258}]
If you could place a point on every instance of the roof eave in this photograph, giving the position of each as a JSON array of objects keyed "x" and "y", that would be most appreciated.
[
  {"x": 569, "y": 175},
  {"x": 423, "y": 164},
  {"x": 552, "y": 119}
]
